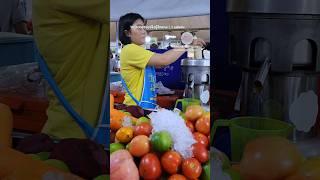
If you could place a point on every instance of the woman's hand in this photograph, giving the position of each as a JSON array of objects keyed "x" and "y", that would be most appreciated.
[{"x": 198, "y": 42}]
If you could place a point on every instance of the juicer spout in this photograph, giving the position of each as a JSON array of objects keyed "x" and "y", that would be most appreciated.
[{"x": 262, "y": 75}]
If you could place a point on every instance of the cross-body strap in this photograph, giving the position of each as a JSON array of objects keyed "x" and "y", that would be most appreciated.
[{"x": 87, "y": 129}]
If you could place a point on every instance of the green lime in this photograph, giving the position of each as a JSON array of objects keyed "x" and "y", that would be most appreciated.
[
  {"x": 57, "y": 164},
  {"x": 34, "y": 157},
  {"x": 161, "y": 141},
  {"x": 115, "y": 147},
  {"x": 44, "y": 155},
  {"x": 142, "y": 120},
  {"x": 205, "y": 175},
  {"x": 102, "y": 177}
]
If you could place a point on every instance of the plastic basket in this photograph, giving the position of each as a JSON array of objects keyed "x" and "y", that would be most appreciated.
[{"x": 245, "y": 129}]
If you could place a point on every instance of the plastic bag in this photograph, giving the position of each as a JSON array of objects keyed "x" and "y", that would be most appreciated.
[{"x": 23, "y": 79}]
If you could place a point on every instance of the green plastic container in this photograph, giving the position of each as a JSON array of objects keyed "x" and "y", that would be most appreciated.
[
  {"x": 245, "y": 129},
  {"x": 187, "y": 102}
]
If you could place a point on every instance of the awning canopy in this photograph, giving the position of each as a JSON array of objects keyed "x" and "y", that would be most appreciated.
[{"x": 151, "y": 9}]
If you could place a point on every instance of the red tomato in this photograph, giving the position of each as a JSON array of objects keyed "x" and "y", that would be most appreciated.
[
  {"x": 191, "y": 168},
  {"x": 171, "y": 162},
  {"x": 143, "y": 129},
  {"x": 203, "y": 125},
  {"x": 190, "y": 126},
  {"x": 177, "y": 177},
  {"x": 200, "y": 152},
  {"x": 149, "y": 167},
  {"x": 200, "y": 138}
]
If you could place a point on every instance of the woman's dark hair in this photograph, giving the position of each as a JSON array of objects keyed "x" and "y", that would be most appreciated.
[{"x": 125, "y": 23}]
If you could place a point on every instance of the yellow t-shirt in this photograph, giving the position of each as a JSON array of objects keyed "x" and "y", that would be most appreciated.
[
  {"x": 133, "y": 60},
  {"x": 72, "y": 36}
]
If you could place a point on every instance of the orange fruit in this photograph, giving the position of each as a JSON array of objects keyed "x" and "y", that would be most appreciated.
[
  {"x": 124, "y": 134},
  {"x": 193, "y": 112},
  {"x": 115, "y": 124},
  {"x": 116, "y": 119},
  {"x": 139, "y": 146}
]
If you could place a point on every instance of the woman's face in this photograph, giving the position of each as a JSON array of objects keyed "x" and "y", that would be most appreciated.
[{"x": 137, "y": 32}]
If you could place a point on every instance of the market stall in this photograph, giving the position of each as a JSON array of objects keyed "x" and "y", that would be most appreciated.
[
  {"x": 171, "y": 141},
  {"x": 172, "y": 79}
]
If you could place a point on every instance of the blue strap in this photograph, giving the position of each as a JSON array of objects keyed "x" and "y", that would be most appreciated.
[
  {"x": 87, "y": 129},
  {"x": 128, "y": 91},
  {"x": 101, "y": 132}
]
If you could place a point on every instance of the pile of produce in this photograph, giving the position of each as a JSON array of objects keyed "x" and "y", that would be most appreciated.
[
  {"x": 38, "y": 157},
  {"x": 270, "y": 158},
  {"x": 162, "y": 144},
  {"x": 81, "y": 157},
  {"x": 16, "y": 165}
]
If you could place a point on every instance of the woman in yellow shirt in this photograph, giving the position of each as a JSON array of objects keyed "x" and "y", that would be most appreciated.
[
  {"x": 72, "y": 36},
  {"x": 138, "y": 64}
]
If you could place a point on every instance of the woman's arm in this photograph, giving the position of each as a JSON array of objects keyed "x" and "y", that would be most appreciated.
[
  {"x": 166, "y": 58},
  {"x": 160, "y": 60}
]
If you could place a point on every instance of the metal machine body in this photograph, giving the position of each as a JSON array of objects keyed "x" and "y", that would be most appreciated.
[
  {"x": 277, "y": 44},
  {"x": 196, "y": 76}
]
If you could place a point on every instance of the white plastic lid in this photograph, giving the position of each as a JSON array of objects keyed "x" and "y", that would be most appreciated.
[{"x": 186, "y": 38}]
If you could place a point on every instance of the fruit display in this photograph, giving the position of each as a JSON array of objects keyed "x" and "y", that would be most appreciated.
[
  {"x": 160, "y": 145},
  {"x": 81, "y": 157},
  {"x": 17, "y": 165}
]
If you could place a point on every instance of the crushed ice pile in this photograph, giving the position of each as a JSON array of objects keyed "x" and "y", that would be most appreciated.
[
  {"x": 175, "y": 125},
  {"x": 127, "y": 122}
]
